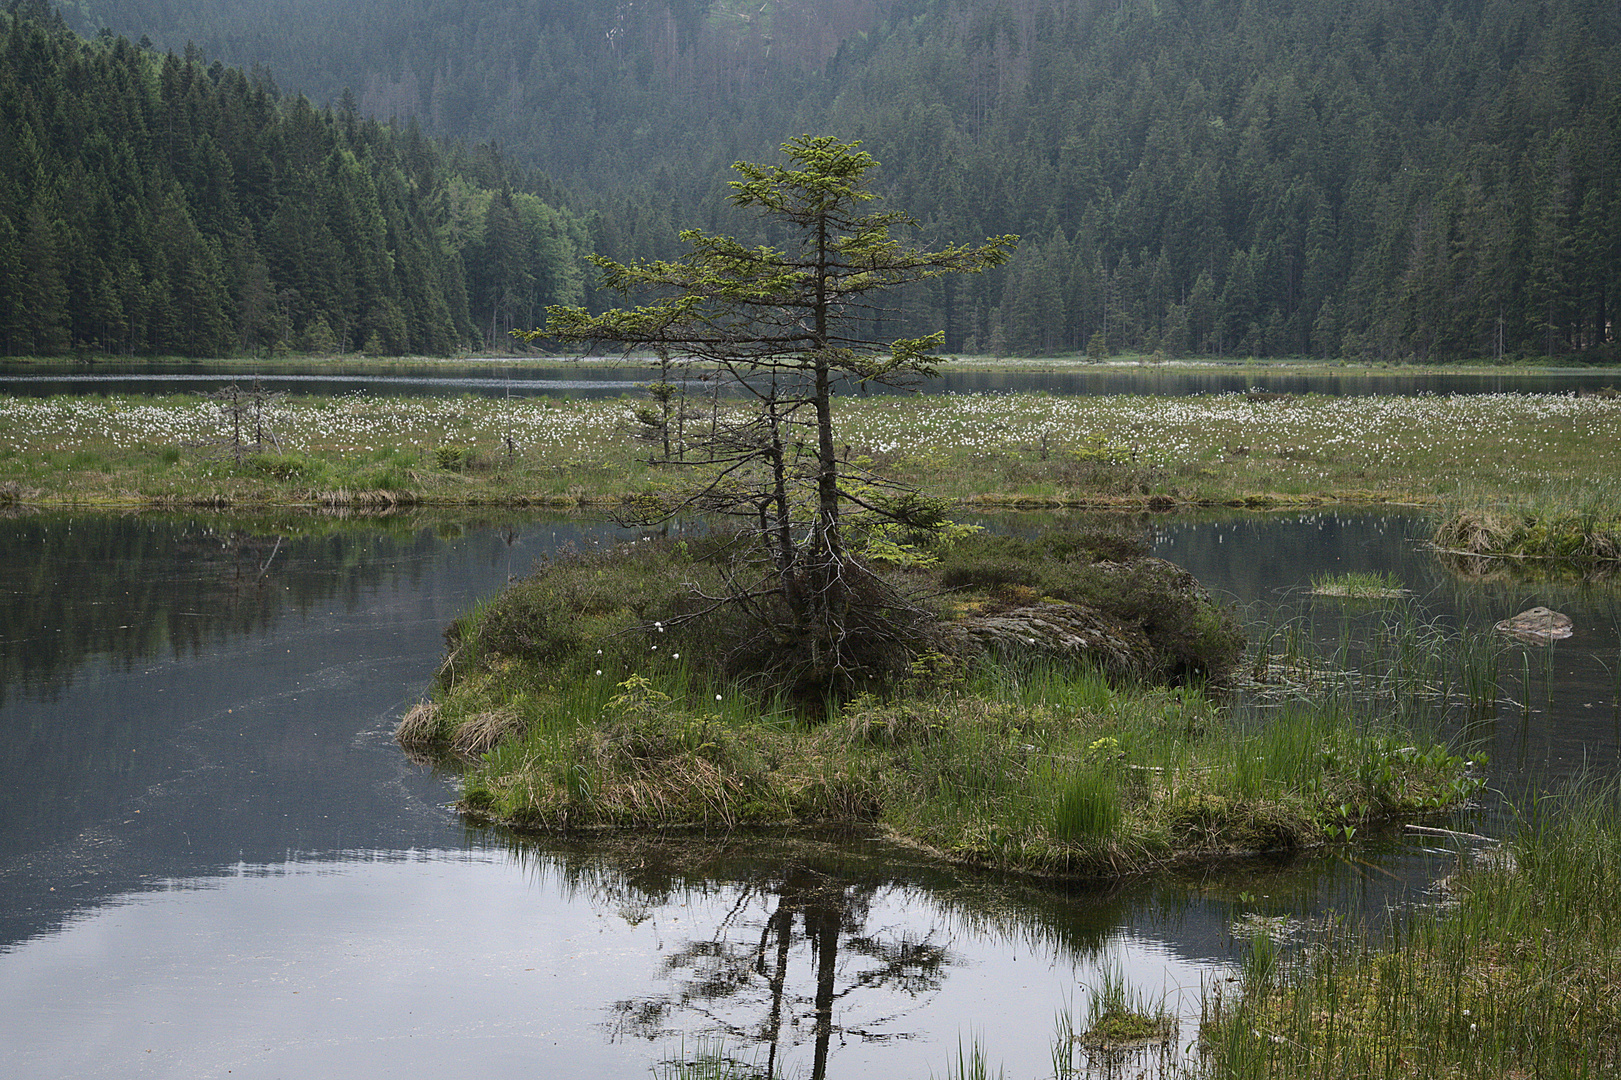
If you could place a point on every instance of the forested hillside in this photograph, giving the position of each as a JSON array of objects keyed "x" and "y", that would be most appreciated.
[
  {"x": 1430, "y": 179},
  {"x": 152, "y": 204}
]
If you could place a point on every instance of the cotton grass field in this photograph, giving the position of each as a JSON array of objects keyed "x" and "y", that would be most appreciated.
[{"x": 980, "y": 449}]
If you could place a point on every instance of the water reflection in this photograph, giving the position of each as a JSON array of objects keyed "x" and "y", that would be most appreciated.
[
  {"x": 601, "y": 378},
  {"x": 795, "y": 942},
  {"x": 388, "y": 963},
  {"x": 182, "y": 693},
  {"x": 129, "y": 589},
  {"x": 844, "y": 956},
  {"x": 840, "y": 956}
]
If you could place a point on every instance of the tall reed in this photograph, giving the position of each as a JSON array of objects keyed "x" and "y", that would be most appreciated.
[{"x": 1519, "y": 976}]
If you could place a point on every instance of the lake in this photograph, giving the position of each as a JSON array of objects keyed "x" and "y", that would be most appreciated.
[
  {"x": 214, "y": 861},
  {"x": 603, "y": 378}
]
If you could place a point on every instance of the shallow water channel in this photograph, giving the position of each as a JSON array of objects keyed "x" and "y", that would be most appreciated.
[{"x": 214, "y": 861}]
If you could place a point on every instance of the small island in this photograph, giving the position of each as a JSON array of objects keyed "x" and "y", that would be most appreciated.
[{"x": 831, "y": 650}]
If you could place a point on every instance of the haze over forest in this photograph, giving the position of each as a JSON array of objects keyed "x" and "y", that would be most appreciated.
[{"x": 1428, "y": 180}]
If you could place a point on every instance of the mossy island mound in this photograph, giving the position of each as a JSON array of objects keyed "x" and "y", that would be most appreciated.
[{"x": 1031, "y": 703}]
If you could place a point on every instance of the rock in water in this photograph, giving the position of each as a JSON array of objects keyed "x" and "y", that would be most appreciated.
[{"x": 1538, "y": 625}]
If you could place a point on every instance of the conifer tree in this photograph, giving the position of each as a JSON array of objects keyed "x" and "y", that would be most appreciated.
[{"x": 784, "y": 324}]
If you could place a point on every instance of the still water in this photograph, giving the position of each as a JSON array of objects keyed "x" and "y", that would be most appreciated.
[
  {"x": 214, "y": 861},
  {"x": 602, "y": 378}
]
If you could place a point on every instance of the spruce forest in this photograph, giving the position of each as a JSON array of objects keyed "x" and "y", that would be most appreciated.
[{"x": 1430, "y": 180}]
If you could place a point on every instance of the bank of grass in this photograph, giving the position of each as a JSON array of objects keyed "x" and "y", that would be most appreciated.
[
  {"x": 597, "y": 695},
  {"x": 1514, "y": 972},
  {"x": 1003, "y": 450},
  {"x": 1571, "y": 526},
  {"x": 354, "y": 450}
]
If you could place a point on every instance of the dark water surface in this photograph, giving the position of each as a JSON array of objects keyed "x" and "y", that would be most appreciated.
[
  {"x": 612, "y": 379},
  {"x": 1558, "y": 716},
  {"x": 214, "y": 861}
]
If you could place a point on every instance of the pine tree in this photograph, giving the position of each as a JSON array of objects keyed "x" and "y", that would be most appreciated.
[{"x": 784, "y": 323}]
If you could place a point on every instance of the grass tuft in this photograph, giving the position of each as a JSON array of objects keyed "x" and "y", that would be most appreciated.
[
  {"x": 419, "y": 728},
  {"x": 1358, "y": 585}
]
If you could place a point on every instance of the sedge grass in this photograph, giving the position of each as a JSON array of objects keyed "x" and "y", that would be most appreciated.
[
  {"x": 1143, "y": 779},
  {"x": 1118, "y": 1013},
  {"x": 972, "y": 1063},
  {"x": 1568, "y": 525},
  {"x": 1516, "y": 975},
  {"x": 709, "y": 1059},
  {"x": 998, "y": 450},
  {"x": 582, "y": 698},
  {"x": 1358, "y": 585}
]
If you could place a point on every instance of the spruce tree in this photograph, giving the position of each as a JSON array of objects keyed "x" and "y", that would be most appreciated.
[{"x": 783, "y": 325}]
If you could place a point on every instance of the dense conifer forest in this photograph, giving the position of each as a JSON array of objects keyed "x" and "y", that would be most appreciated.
[
  {"x": 156, "y": 204},
  {"x": 1423, "y": 180}
]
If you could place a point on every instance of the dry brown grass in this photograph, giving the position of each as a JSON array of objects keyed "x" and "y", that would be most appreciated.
[
  {"x": 1475, "y": 531},
  {"x": 419, "y": 727},
  {"x": 481, "y": 731}
]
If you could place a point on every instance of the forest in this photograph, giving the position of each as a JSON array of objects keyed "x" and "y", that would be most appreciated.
[
  {"x": 1432, "y": 180},
  {"x": 154, "y": 204}
]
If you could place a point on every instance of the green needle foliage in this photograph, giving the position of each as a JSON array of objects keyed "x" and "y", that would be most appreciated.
[{"x": 784, "y": 325}]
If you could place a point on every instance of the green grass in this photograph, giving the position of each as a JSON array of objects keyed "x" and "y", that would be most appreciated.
[
  {"x": 1358, "y": 585},
  {"x": 1024, "y": 450},
  {"x": 1516, "y": 974},
  {"x": 1120, "y": 1018},
  {"x": 972, "y": 1063},
  {"x": 1571, "y": 526}
]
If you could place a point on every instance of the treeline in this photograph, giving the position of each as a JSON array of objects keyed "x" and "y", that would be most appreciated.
[
  {"x": 1428, "y": 179},
  {"x": 152, "y": 204},
  {"x": 1432, "y": 178}
]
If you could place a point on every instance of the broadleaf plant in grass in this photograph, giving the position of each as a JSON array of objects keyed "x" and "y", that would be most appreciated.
[{"x": 783, "y": 324}]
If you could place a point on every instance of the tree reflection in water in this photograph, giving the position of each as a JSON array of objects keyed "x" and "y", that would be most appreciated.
[
  {"x": 813, "y": 943},
  {"x": 782, "y": 985}
]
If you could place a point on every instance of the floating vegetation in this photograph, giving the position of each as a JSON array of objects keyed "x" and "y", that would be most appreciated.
[
  {"x": 1358, "y": 585},
  {"x": 1124, "y": 1029}
]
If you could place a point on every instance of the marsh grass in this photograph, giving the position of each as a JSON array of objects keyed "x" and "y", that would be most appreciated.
[
  {"x": 599, "y": 693},
  {"x": 972, "y": 1063},
  {"x": 709, "y": 1060},
  {"x": 1358, "y": 585},
  {"x": 1517, "y": 973},
  {"x": 418, "y": 729},
  {"x": 1562, "y": 527},
  {"x": 1395, "y": 656},
  {"x": 1120, "y": 1015},
  {"x": 1123, "y": 1032},
  {"x": 332, "y": 451},
  {"x": 1047, "y": 769},
  {"x": 1025, "y": 450}
]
